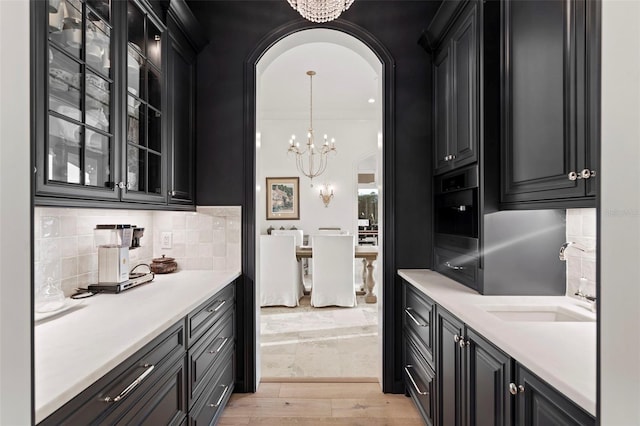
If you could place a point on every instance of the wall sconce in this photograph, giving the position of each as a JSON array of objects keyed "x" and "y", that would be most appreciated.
[{"x": 327, "y": 195}]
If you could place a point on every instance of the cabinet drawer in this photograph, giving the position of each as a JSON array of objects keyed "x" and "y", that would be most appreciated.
[
  {"x": 163, "y": 404},
  {"x": 418, "y": 319},
  {"x": 419, "y": 381},
  {"x": 125, "y": 385},
  {"x": 208, "y": 351},
  {"x": 208, "y": 408},
  {"x": 462, "y": 267},
  {"x": 203, "y": 317}
]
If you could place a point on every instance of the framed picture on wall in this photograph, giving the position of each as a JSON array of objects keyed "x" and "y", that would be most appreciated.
[{"x": 283, "y": 198}]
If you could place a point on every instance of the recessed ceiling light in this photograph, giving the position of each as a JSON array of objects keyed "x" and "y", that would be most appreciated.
[{"x": 371, "y": 100}]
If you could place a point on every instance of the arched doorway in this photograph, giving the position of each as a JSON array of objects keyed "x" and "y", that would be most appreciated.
[
  {"x": 305, "y": 342},
  {"x": 248, "y": 302}
]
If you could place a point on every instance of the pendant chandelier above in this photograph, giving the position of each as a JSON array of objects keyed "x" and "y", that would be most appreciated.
[
  {"x": 316, "y": 159},
  {"x": 320, "y": 10}
]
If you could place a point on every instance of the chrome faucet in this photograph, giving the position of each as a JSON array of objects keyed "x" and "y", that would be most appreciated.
[
  {"x": 589, "y": 298},
  {"x": 573, "y": 244}
]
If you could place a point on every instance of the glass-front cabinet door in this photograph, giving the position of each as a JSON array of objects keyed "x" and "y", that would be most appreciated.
[
  {"x": 145, "y": 159},
  {"x": 99, "y": 102},
  {"x": 78, "y": 149}
]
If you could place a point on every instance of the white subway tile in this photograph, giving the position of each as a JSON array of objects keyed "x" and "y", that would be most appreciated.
[
  {"x": 69, "y": 285},
  {"x": 206, "y": 250},
  {"x": 219, "y": 235},
  {"x": 219, "y": 264},
  {"x": 193, "y": 237},
  {"x": 49, "y": 226},
  {"x": 191, "y": 220},
  {"x": 68, "y": 246},
  {"x": 68, "y": 226},
  {"x": 192, "y": 250},
  {"x": 179, "y": 221},
  {"x": 180, "y": 236},
  {"x": 69, "y": 267},
  {"x": 205, "y": 222},
  {"x": 206, "y": 236},
  {"x": 87, "y": 263},
  {"x": 219, "y": 249}
]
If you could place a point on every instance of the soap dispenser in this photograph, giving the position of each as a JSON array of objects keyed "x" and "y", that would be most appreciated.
[{"x": 49, "y": 297}]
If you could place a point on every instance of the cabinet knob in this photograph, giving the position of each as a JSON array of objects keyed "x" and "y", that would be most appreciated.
[
  {"x": 514, "y": 390},
  {"x": 584, "y": 174},
  {"x": 446, "y": 158},
  {"x": 172, "y": 193},
  {"x": 456, "y": 338},
  {"x": 452, "y": 157},
  {"x": 463, "y": 343},
  {"x": 121, "y": 185}
]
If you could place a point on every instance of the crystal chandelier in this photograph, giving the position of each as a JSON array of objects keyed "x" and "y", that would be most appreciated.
[
  {"x": 320, "y": 10},
  {"x": 316, "y": 162}
]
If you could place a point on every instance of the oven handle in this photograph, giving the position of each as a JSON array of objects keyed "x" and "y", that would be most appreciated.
[{"x": 454, "y": 267}]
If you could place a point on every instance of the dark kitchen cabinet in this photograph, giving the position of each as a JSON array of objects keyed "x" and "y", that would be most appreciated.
[
  {"x": 104, "y": 107},
  {"x": 450, "y": 381},
  {"x": 455, "y": 75},
  {"x": 538, "y": 404},
  {"x": 148, "y": 386},
  {"x": 550, "y": 105},
  {"x": 182, "y": 108},
  {"x": 185, "y": 374}
]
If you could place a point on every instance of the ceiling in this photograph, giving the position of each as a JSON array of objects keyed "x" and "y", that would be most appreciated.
[{"x": 345, "y": 81}]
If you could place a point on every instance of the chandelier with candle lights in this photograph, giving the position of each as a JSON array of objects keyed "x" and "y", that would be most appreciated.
[{"x": 311, "y": 161}]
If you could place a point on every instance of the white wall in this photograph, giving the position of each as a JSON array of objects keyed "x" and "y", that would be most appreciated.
[
  {"x": 15, "y": 215},
  {"x": 620, "y": 215},
  {"x": 355, "y": 140}
]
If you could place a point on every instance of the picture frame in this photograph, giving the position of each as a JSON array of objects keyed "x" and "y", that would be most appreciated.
[{"x": 283, "y": 198}]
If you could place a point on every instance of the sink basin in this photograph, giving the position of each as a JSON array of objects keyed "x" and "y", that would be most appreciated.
[{"x": 539, "y": 314}]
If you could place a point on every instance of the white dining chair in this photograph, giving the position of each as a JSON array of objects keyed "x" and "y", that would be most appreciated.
[
  {"x": 332, "y": 282},
  {"x": 280, "y": 283},
  {"x": 299, "y": 235}
]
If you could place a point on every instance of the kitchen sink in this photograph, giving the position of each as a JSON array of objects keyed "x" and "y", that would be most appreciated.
[{"x": 539, "y": 314}]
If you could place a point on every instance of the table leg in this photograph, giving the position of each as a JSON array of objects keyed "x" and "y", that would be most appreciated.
[
  {"x": 370, "y": 297},
  {"x": 364, "y": 274}
]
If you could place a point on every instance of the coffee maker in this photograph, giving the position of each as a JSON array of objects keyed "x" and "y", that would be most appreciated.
[{"x": 113, "y": 243}]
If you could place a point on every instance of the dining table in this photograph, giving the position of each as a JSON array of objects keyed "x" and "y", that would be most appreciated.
[{"x": 368, "y": 254}]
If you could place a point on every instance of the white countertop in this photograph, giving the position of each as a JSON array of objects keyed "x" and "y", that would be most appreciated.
[
  {"x": 561, "y": 353},
  {"x": 74, "y": 349}
]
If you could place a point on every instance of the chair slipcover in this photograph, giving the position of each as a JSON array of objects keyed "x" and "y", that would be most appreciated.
[
  {"x": 333, "y": 270},
  {"x": 279, "y": 274},
  {"x": 299, "y": 239}
]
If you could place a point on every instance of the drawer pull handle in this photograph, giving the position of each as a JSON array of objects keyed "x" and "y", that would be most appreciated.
[
  {"x": 217, "y": 308},
  {"x": 454, "y": 267},
  {"x": 224, "y": 342},
  {"x": 413, "y": 382},
  {"x": 224, "y": 392},
  {"x": 132, "y": 386},
  {"x": 408, "y": 312}
]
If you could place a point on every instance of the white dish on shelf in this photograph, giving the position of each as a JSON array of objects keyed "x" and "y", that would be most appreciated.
[{"x": 69, "y": 304}]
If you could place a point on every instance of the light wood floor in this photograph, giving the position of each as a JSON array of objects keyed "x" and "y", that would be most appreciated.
[{"x": 354, "y": 404}]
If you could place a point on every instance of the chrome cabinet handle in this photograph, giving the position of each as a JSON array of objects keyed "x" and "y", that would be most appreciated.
[
  {"x": 454, "y": 267},
  {"x": 132, "y": 386},
  {"x": 413, "y": 382},
  {"x": 408, "y": 312},
  {"x": 224, "y": 342},
  {"x": 456, "y": 338},
  {"x": 224, "y": 392},
  {"x": 217, "y": 308},
  {"x": 514, "y": 390},
  {"x": 446, "y": 158},
  {"x": 463, "y": 343},
  {"x": 121, "y": 185}
]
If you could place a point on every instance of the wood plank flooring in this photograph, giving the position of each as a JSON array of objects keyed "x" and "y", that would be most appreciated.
[{"x": 301, "y": 403}]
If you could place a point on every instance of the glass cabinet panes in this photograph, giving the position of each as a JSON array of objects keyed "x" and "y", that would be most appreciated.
[
  {"x": 155, "y": 130},
  {"x": 144, "y": 112},
  {"x": 80, "y": 140},
  {"x": 101, "y": 7},
  {"x": 98, "y": 36},
  {"x": 64, "y": 85},
  {"x": 154, "y": 51},
  {"x": 64, "y": 151},
  {"x": 155, "y": 87}
]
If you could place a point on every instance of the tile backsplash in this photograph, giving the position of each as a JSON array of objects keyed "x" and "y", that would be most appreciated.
[
  {"x": 64, "y": 247},
  {"x": 581, "y": 228}
]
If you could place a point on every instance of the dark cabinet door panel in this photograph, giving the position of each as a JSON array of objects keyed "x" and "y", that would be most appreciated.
[
  {"x": 542, "y": 405},
  {"x": 441, "y": 117},
  {"x": 488, "y": 372},
  {"x": 449, "y": 370},
  {"x": 465, "y": 82}
]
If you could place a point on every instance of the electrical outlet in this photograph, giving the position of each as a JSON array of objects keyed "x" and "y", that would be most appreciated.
[{"x": 166, "y": 240}]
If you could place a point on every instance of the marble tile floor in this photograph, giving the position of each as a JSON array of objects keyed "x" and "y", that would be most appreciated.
[{"x": 330, "y": 342}]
